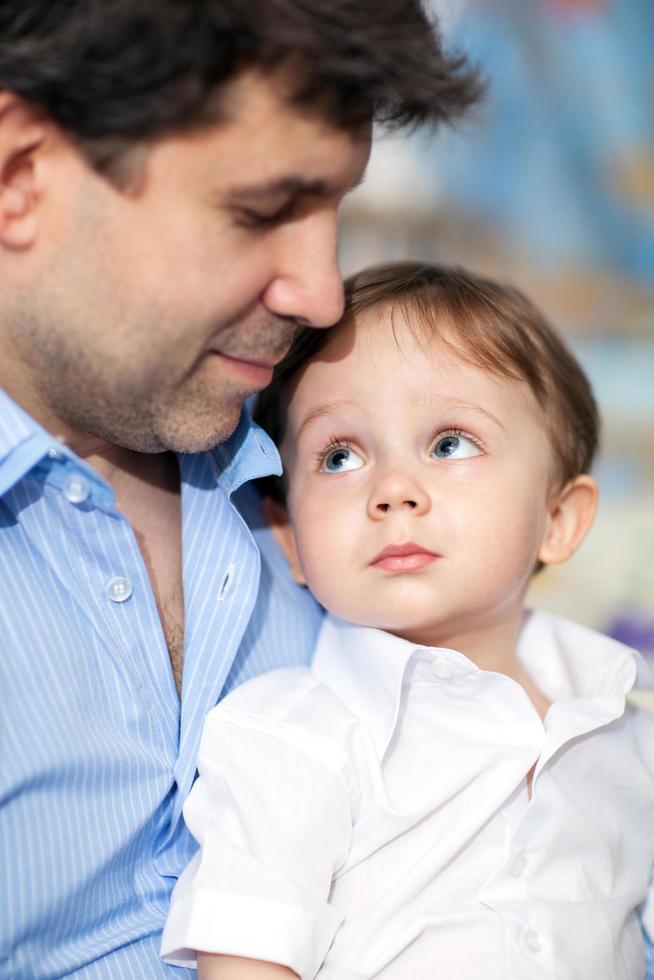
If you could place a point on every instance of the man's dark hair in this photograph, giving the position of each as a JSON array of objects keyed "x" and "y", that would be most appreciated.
[
  {"x": 113, "y": 73},
  {"x": 487, "y": 323}
]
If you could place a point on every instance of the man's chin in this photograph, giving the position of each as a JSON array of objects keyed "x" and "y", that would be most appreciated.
[{"x": 201, "y": 433}]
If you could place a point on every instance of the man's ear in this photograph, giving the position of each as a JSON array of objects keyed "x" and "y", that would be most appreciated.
[
  {"x": 279, "y": 523},
  {"x": 22, "y": 133},
  {"x": 571, "y": 513}
]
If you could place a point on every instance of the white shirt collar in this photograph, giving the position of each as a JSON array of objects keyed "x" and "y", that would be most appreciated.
[{"x": 365, "y": 667}]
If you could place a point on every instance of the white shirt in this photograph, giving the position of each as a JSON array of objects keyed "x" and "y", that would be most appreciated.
[{"x": 370, "y": 817}]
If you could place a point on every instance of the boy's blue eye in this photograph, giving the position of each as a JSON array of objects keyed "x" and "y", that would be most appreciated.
[
  {"x": 340, "y": 460},
  {"x": 455, "y": 446}
]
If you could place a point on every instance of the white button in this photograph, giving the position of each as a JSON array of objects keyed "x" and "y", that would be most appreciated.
[
  {"x": 75, "y": 489},
  {"x": 518, "y": 865},
  {"x": 441, "y": 668},
  {"x": 119, "y": 588},
  {"x": 532, "y": 941},
  {"x": 54, "y": 453}
]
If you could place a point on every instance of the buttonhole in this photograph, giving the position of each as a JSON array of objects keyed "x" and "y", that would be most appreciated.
[{"x": 226, "y": 585}]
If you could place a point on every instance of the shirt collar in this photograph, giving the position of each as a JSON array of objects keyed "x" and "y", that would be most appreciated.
[
  {"x": 366, "y": 667},
  {"x": 248, "y": 454},
  {"x": 23, "y": 443},
  {"x": 571, "y": 661}
]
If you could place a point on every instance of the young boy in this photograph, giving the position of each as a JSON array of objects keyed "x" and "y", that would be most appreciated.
[{"x": 456, "y": 788}]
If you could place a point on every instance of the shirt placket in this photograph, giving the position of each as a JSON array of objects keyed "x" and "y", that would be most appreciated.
[
  {"x": 92, "y": 550},
  {"x": 530, "y": 944},
  {"x": 221, "y": 574}
]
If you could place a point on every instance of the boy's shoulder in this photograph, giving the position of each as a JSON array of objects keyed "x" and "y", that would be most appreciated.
[
  {"x": 290, "y": 703},
  {"x": 639, "y": 716},
  {"x": 348, "y": 696},
  {"x": 574, "y": 660},
  {"x": 292, "y": 714},
  {"x": 275, "y": 694}
]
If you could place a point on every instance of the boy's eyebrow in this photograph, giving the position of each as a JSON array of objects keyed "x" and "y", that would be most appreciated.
[
  {"x": 292, "y": 186},
  {"x": 331, "y": 408},
  {"x": 477, "y": 408},
  {"x": 322, "y": 411}
]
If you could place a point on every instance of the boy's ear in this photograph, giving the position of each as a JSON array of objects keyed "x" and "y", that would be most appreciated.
[
  {"x": 279, "y": 523},
  {"x": 22, "y": 133},
  {"x": 571, "y": 513}
]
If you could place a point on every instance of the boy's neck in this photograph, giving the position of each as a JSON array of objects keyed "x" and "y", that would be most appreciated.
[{"x": 491, "y": 646}]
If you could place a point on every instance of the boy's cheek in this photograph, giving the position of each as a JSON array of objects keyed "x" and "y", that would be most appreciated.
[{"x": 317, "y": 530}]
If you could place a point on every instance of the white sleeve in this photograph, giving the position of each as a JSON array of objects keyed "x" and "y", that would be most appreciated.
[
  {"x": 271, "y": 811},
  {"x": 647, "y": 918}
]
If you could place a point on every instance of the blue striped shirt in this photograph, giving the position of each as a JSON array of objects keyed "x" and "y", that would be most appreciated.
[{"x": 97, "y": 756}]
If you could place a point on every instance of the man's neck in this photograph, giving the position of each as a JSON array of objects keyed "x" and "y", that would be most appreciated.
[
  {"x": 124, "y": 469},
  {"x": 130, "y": 473}
]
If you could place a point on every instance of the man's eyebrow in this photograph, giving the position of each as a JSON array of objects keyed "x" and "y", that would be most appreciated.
[
  {"x": 290, "y": 187},
  {"x": 323, "y": 411}
]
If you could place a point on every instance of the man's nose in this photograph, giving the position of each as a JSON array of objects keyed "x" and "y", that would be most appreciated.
[
  {"x": 398, "y": 490},
  {"x": 307, "y": 283}
]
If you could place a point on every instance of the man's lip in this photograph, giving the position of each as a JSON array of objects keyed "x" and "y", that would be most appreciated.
[
  {"x": 253, "y": 361},
  {"x": 258, "y": 372},
  {"x": 404, "y": 557}
]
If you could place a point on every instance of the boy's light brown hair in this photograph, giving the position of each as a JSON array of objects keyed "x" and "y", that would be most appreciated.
[{"x": 489, "y": 324}]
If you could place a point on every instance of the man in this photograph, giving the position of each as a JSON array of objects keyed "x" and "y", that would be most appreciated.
[{"x": 170, "y": 172}]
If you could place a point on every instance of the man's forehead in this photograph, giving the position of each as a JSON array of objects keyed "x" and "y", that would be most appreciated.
[{"x": 255, "y": 92}]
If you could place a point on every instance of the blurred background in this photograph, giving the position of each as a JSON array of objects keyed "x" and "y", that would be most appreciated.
[{"x": 551, "y": 186}]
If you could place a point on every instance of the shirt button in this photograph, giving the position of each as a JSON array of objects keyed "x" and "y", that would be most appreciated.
[
  {"x": 441, "y": 668},
  {"x": 119, "y": 588},
  {"x": 532, "y": 941},
  {"x": 518, "y": 865},
  {"x": 75, "y": 489}
]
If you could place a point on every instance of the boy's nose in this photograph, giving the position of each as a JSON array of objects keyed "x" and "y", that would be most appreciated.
[{"x": 398, "y": 491}]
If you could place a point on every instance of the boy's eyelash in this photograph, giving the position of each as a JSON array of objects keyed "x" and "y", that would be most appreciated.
[
  {"x": 332, "y": 445},
  {"x": 448, "y": 430},
  {"x": 454, "y": 430}
]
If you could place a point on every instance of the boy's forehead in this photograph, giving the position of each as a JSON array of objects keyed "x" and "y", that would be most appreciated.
[
  {"x": 389, "y": 324},
  {"x": 377, "y": 352},
  {"x": 363, "y": 334}
]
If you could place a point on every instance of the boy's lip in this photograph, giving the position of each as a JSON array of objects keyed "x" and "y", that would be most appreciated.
[{"x": 403, "y": 557}]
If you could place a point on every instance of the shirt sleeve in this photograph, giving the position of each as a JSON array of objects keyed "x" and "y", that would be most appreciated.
[
  {"x": 647, "y": 913},
  {"x": 271, "y": 810}
]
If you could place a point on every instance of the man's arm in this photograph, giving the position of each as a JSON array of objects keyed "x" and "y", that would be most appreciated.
[{"x": 212, "y": 966}]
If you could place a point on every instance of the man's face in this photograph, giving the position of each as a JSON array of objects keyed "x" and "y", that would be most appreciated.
[
  {"x": 417, "y": 483},
  {"x": 152, "y": 313}
]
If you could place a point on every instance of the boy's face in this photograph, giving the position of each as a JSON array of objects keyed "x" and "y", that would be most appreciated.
[{"x": 418, "y": 485}]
